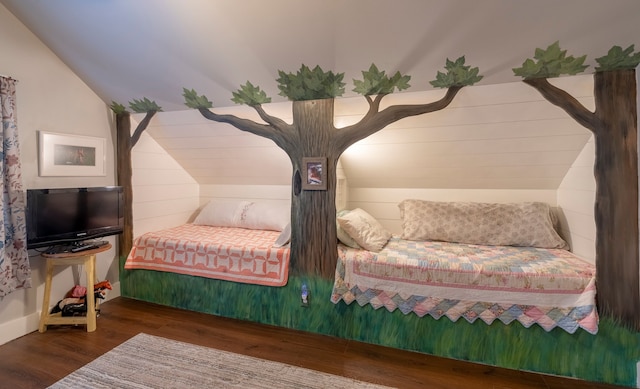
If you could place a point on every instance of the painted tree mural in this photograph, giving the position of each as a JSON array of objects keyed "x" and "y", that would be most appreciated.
[
  {"x": 124, "y": 145},
  {"x": 614, "y": 126},
  {"x": 313, "y": 134}
]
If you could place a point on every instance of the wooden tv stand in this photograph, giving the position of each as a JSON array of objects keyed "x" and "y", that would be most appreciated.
[{"x": 86, "y": 258}]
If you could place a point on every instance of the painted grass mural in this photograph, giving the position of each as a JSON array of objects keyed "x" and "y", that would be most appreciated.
[{"x": 609, "y": 357}]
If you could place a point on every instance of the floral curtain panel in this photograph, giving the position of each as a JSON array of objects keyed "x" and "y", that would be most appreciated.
[{"x": 15, "y": 272}]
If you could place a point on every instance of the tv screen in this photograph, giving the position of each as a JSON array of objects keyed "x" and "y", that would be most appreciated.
[{"x": 68, "y": 215}]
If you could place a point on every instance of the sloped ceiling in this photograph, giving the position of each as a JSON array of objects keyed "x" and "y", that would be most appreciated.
[{"x": 127, "y": 49}]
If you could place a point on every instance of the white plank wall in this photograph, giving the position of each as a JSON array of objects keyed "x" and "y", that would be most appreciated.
[
  {"x": 503, "y": 136},
  {"x": 164, "y": 194},
  {"x": 217, "y": 153},
  {"x": 576, "y": 199},
  {"x": 266, "y": 193}
]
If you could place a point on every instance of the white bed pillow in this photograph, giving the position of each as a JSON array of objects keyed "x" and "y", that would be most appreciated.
[
  {"x": 245, "y": 214},
  {"x": 267, "y": 216},
  {"x": 284, "y": 237},
  {"x": 343, "y": 236},
  {"x": 222, "y": 213},
  {"x": 514, "y": 224},
  {"x": 364, "y": 229}
]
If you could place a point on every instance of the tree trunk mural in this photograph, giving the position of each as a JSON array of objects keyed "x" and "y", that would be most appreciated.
[
  {"x": 124, "y": 173},
  {"x": 614, "y": 125},
  {"x": 313, "y": 123},
  {"x": 124, "y": 144},
  {"x": 314, "y": 247}
]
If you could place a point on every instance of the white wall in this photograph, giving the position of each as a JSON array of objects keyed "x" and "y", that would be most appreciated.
[
  {"x": 576, "y": 199},
  {"x": 164, "y": 195},
  {"x": 50, "y": 97},
  {"x": 504, "y": 136},
  {"x": 262, "y": 193}
]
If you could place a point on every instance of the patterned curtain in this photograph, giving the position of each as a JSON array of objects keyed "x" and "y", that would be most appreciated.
[{"x": 15, "y": 272}]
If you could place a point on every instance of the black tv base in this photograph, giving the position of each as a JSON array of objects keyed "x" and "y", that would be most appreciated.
[{"x": 76, "y": 247}]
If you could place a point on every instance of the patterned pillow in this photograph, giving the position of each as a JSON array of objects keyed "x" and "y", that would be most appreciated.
[
  {"x": 364, "y": 229},
  {"x": 522, "y": 224}
]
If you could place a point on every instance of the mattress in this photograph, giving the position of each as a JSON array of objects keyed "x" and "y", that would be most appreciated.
[
  {"x": 549, "y": 287},
  {"x": 225, "y": 253}
]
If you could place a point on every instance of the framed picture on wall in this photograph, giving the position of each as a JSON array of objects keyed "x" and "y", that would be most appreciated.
[
  {"x": 314, "y": 174},
  {"x": 70, "y": 155}
]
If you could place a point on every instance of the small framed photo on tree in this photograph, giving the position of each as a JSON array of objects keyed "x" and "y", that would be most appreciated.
[{"x": 314, "y": 174}]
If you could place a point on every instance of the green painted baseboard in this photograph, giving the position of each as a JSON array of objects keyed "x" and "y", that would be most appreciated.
[{"x": 609, "y": 357}]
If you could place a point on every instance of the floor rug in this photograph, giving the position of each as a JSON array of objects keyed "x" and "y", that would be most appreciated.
[{"x": 147, "y": 361}]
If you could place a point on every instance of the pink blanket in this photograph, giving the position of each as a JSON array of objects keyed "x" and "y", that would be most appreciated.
[{"x": 232, "y": 254}]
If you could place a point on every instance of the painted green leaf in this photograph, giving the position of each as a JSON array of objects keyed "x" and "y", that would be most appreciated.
[
  {"x": 310, "y": 84},
  {"x": 250, "y": 95},
  {"x": 458, "y": 74},
  {"x": 144, "y": 105},
  {"x": 118, "y": 108},
  {"x": 617, "y": 59},
  {"x": 552, "y": 62},
  {"x": 377, "y": 82},
  {"x": 192, "y": 100},
  {"x": 400, "y": 82}
]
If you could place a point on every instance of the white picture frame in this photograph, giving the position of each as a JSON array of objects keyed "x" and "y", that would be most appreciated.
[{"x": 62, "y": 155}]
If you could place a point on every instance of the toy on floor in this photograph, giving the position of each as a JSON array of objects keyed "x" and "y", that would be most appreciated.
[{"x": 75, "y": 304}]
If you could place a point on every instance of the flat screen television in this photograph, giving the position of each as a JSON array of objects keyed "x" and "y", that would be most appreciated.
[{"x": 71, "y": 215}]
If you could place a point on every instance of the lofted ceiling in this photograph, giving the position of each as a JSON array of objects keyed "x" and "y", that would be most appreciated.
[{"x": 127, "y": 50}]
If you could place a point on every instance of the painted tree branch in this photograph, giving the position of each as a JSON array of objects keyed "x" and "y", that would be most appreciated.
[
  {"x": 376, "y": 120},
  {"x": 144, "y": 123},
  {"x": 568, "y": 103},
  {"x": 275, "y": 122},
  {"x": 264, "y": 130},
  {"x": 279, "y": 131}
]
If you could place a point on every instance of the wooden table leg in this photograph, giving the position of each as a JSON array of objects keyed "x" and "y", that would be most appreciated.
[
  {"x": 45, "y": 299},
  {"x": 90, "y": 268}
]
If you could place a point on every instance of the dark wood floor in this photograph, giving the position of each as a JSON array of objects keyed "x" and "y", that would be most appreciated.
[{"x": 38, "y": 360}]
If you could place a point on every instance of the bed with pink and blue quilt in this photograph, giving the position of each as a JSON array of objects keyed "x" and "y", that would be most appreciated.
[{"x": 483, "y": 261}]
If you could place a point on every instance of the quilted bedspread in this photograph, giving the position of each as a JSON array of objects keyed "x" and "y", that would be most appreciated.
[
  {"x": 232, "y": 254},
  {"x": 548, "y": 287}
]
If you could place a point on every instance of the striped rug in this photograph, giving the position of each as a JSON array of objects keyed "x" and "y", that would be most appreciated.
[{"x": 147, "y": 361}]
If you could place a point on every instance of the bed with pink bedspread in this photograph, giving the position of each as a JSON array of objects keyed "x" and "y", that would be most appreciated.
[
  {"x": 428, "y": 275},
  {"x": 225, "y": 253}
]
